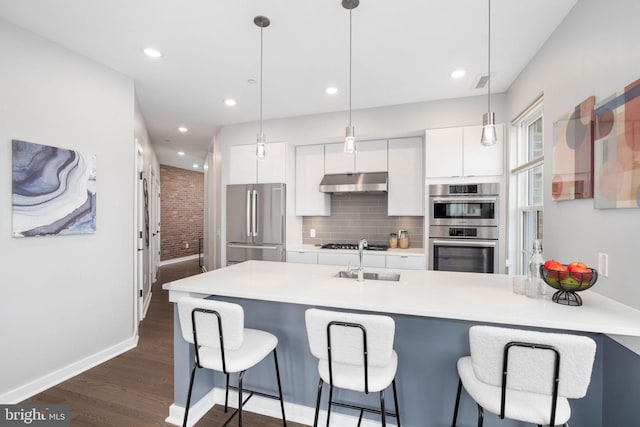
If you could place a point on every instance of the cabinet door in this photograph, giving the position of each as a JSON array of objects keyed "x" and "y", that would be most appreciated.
[
  {"x": 406, "y": 177},
  {"x": 371, "y": 156},
  {"x": 243, "y": 164},
  {"x": 336, "y": 161},
  {"x": 302, "y": 257},
  {"x": 371, "y": 260},
  {"x": 406, "y": 262},
  {"x": 480, "y": 160},
  {"x": 443, "y": 152},
  {"x": 341, "y": 259},
  {"x": 273, "y": 168},
  {"x": 309, "y": 172}
]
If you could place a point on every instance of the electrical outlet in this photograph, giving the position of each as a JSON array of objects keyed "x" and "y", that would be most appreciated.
[
  {"x": 312, "y": 232},
  {"x": 186, "y": 245},
  {"x": 603, "y": 264}
]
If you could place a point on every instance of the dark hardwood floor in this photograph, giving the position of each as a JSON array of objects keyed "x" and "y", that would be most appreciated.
[{"x": 136, "y": 388}]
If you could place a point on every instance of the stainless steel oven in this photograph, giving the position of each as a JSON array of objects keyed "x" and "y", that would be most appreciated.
[
  {"x": 467, "y": 249},
  {"x": 464, "y": 204},
  {"x": 464, "y": 227}
]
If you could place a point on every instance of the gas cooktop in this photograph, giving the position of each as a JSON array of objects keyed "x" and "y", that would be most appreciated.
[{"x": 354, "y": 246}]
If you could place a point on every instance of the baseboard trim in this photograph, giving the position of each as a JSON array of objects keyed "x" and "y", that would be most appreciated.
[
  {"x": 177, "y": 260},
  {"x": 47, "y": 381},
  {"x": 264, "y": 406}
]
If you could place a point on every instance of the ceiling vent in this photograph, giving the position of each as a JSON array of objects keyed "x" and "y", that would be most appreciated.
[{"x": 482, "y": 80}]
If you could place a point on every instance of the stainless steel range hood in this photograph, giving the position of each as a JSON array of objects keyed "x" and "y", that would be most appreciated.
[{"x": 354, "y": 182}]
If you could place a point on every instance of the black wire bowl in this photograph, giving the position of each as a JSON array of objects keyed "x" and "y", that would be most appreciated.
[{"x": 568, "y": 284}]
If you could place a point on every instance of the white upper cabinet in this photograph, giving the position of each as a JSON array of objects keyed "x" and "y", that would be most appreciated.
[
  {"x": 371, "y": 156},
  {"x": 480, "y": 160},
  {"x": 456, "y": 152},
  {"x": 309, "y": 172},
  {"x": 406, "y": 177},
  {"x": 273, "y": 168},
  {"x": 443, "y": 150},
  {"x": 245, "y": 168},
  {"x": 336, "y": 161}
]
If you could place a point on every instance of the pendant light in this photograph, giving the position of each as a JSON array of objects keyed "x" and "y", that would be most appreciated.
[
  {"x": 489, "y": 136},
  {"x": 349, "y": 135},
  {"x": 262, "y": 22}
]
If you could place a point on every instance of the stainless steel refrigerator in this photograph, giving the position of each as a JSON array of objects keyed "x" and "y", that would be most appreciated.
[{"x": 255, "y": 222}]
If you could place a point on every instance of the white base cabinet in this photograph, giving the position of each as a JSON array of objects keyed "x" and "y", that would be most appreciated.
[
  {"x": 302, "y": 257},
  {"x": 406, "y": 262}
]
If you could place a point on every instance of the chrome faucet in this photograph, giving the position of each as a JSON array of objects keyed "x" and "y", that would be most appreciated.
[{"x": 361, "y": 245}]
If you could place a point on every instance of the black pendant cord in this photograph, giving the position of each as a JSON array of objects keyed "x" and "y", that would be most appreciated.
[
  {"x": 489, "y": 64},
  {"x": 350, "y": 62},
  {"x": 261, "y": 54}
]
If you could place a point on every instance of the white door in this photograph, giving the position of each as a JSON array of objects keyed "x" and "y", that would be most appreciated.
[
  {"x": 155, "y": 235},
  {"x": 140, "y": 230}
]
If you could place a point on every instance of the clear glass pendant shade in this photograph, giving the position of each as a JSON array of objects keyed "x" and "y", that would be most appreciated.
[
  {"x": 260, "y": 150},
  {"x": 489, "y": 136},
  {"x": 349, "y": 141}
]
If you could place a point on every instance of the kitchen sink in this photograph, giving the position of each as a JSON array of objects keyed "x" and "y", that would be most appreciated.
[{"x": 390, "y": 277}]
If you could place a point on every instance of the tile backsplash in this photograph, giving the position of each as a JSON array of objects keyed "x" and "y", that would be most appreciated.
[{"x": 356, "y": 216}]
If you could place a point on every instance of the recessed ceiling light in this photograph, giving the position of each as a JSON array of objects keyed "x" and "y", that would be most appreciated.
[
  {"x": 230, "y": 102},
  {"x": 180, "y": 153},
  {"x": 183, "y": 129},
  {"x": 195, "y": 166},
  {"x": 331, "y": 90},
  {"x": 152, "y": 53},
  {"x": 457, "y": 74}
]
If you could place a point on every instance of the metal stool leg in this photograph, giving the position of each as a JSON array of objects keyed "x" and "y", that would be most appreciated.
[
  {"x": 226, "y": 395},
  {"x": 186, "y": 408},
  {"x": 315, "y": 420},
  {"x": 329, "y": 406},
  {"x": 382, "y": 412},
  {"x": 395, "y": 401},
  {"x": 275, "y": 358},
  {"x": 455, "y": 410},
  {"x": 240, "y": 398},
  {"x": 480, "y": 416}
]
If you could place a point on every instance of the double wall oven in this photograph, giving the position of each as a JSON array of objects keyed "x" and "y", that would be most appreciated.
[{"x": 464, "y": 227}]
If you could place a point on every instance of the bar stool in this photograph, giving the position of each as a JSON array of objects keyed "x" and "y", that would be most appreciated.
[
  {"x": 525, "y": 375},
  {"x": 354, "y": 352},
  {"x": 223, "y": 344}
]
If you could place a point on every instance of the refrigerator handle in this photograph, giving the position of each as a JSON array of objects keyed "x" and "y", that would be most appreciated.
[
  {"x": 248, "y": 213},
  {"x": 254, "y": 208}
]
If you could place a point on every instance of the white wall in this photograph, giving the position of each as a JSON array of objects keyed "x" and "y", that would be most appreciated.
[
  {"x": 593, "y": 52},
  {"x": 372, "y": 123},
  {"x": 65, "y": 302}
]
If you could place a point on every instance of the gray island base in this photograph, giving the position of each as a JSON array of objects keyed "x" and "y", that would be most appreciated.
[{"x": 433, "y": 312}]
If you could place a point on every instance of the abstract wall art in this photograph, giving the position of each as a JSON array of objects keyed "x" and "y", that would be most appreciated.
[
  {"x": 54, "y": 190},
  {"x": 617, "y": 150},
  {"x": 572, "y": 164}
]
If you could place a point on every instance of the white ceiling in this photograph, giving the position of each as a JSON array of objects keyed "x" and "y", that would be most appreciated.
[{"x": 403, "y": 52}]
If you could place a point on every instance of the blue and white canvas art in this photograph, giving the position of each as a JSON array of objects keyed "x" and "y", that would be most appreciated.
[{"x": 54, "y": 190}]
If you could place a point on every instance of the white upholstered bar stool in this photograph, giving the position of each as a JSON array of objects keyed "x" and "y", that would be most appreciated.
[
  {"x": 223, "y": 344},
  {"x": 525, "y": 375},
  {"x": 354, "y": 352}
]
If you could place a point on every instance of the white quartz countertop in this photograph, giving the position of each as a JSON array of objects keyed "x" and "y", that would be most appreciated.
[
  {"x": 418, "y": 252},
  {"x": 463, "y": 296}
]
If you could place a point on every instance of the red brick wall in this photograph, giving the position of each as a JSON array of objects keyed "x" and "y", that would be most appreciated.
[{"x": 181, "y": 212}]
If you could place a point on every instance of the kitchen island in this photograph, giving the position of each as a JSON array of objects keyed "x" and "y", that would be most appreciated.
[{"x": 432, "y": 310}]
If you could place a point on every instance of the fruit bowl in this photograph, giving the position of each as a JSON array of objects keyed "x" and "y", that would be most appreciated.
[{"x": 568, "y": 283}]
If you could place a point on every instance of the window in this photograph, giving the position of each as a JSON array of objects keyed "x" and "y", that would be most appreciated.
[{"x": 527, "y": 176}]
